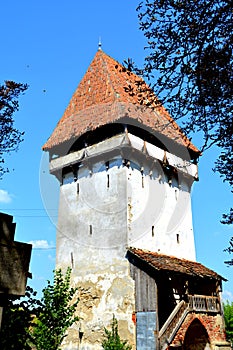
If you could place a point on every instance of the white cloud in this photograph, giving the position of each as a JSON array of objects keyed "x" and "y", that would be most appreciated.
[
  {"x": 5, "y": 197},
  {"x": 227, "y": 295},
  {"x": 40, "y": 243}
]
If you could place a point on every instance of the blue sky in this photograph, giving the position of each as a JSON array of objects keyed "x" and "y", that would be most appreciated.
[{"x": 49, "y": 45}]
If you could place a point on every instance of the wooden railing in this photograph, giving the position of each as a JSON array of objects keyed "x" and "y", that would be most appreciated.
[
  {"x": 203, "y": 303},
  {"x": 174, "y": 321},
  {"x": 198, "y": 303}
]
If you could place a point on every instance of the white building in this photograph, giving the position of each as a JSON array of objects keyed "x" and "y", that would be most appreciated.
[{"x": 125, "y": 220}]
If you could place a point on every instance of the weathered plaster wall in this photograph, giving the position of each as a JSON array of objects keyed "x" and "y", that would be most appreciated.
[
  {"x": 159, "y": 211},
  {"x": 125, "y": 206},
  {"x": 112, "y": 205},
  {"x": 132, "y": 203},
  {"x": 92, "y": 239},
  {"x": 101, "y": 296}
]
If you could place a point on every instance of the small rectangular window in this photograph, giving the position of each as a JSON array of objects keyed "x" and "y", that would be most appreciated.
[{"x": 72, "y": 260}]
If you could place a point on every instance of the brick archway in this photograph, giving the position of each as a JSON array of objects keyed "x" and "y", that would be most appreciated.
[{"x": 196, "y": 337}]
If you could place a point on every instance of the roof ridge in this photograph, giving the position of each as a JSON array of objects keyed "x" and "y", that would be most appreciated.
[{"x": 109, "y": 76}]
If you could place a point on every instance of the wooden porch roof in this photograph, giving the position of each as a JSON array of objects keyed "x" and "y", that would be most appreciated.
[{"x": 161, "y": 262}]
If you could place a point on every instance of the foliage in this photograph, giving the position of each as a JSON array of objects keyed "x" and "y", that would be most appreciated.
[
  {"x": 17, "y": 319},
  {"x": 39, "y": 324},
  {"x": 10, "y": 137},
  {"x": 112, "y": 339},
  {"x": 228, "y": 316},
  {"x": 56, "y": 312},
  {"x": 189, "y": 60}
]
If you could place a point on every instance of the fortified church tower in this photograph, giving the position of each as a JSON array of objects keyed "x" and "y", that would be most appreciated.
[{"x": 125, "y": 222}]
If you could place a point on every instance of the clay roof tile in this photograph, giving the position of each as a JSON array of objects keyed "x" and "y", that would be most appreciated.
[
  {"x": 103, "y": 97},
  {"x": 170, "y": 263}
]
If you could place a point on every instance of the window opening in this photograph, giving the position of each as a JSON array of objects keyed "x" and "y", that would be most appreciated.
[
  {"x": 72, "y": 260},
  {"x": 142, "y": 181}
]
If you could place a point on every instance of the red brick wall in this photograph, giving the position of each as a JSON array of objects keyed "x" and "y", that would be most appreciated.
[{"x": 212, "y": 323}]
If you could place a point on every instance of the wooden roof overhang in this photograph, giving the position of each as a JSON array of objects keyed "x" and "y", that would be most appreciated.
[{"x": 156, "y": 263}]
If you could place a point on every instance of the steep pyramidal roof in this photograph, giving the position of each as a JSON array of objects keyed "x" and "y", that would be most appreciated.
[{"x": 103, "y": 97}]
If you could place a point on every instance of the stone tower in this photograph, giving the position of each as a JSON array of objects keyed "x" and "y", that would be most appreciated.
[{"x": 126, "y": 172}]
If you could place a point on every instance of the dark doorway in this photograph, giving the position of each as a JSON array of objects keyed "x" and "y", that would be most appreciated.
[{"x": 196, "y": 337}]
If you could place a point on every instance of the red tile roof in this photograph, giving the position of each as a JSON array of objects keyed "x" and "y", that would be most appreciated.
[
  {"x": 101, "y": 98},
  {"x": 171, "y": 263}
]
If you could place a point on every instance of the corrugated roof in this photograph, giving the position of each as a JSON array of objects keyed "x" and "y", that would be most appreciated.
[
  {"x": 174, "y": 264},
  {"x": 102, "y": 97}
]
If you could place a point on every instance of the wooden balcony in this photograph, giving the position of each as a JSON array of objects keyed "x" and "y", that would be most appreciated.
[{"x": 203, "y": 303}]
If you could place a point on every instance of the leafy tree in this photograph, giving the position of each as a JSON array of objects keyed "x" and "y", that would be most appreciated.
[
  {"x": 39, "y": 324},
  {"x": 112, "y": 339},
  {"x": 228, "y": 316},
  {"x": 17, "y": 320},
  {"x": 189, "y": 66},
  {"x": 10, "y": 137},
  {"x": 56, "y": 314}
]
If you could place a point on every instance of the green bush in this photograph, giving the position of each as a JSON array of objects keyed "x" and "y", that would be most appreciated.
[
  {"x": 228, "y": 316},
  {"x": 56, "y": 314},
  {"x": 112, "y": 339}
]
